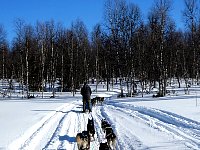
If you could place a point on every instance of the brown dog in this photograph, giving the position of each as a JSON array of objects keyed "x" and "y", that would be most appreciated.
[{"x": 83, "y": 140}]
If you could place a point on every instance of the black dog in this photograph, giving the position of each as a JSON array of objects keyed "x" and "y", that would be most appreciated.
[
  {"x": 90, "y": 128},
  {"x": 104, "y": 124},
  {"x": 111, "y": 138},
  {"x": 104, "y": 146},
  {"x": 94, "y": 101},
  {"x": 100, "y": 100}
]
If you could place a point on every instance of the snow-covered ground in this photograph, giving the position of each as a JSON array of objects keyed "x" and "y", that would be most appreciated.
[{"x": 171, "y": 122}]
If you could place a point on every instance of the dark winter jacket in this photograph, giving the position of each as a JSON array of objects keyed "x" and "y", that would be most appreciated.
[{"x": 86, "y": 92}]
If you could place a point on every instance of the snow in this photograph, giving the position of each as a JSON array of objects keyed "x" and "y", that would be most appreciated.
[{"x": 170, "y": 122}]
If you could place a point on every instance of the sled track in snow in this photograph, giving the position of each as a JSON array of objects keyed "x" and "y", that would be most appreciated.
[
  {"x": 40, "y": 130},
  {"x": 71, "y": 123},
  {"x": 124, "y": 140},
  {"x": 59, "y": 131},
  {"x": 180, "y": 127}
]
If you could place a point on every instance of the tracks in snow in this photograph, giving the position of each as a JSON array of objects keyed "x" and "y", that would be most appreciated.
[
  {"x": 59, "y": 128},
  {"x": 184, "y": 129},
  {"x": 42, "y": 130}
]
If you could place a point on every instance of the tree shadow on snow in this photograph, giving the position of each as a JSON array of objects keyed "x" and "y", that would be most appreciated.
[
  {"x": 79, "y": 106},
  {"x": 77, "y": 111},
  {"x": 68, "y": 138},
  {"x": 53, "y": 110}
]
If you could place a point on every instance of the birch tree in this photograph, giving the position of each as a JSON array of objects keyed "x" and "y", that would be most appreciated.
[
  {"x": 3, "y": 46},
  {"x": 41, "y": 34},
  {"x": 96, "y": 39},
  {"x": 19, "y": 29},
  {"x": 190, "y": 14},
  {"x": 161, "y": 10}
]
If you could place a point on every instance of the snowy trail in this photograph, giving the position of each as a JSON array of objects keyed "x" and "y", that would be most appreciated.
[
  {"x": 126, "y": 139},
  {"x": 180, "y": 127},
  {"x": 58, "y": 130},
  {"x": 165, "y": 129},
  {"x": 42, "y": 130}
]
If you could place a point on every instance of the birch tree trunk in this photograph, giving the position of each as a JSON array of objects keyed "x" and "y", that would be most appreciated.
[
  {"x": 27, "y": 69},
  {"x": 42, "y": 69},
  {"x": 53, "y": 69}
]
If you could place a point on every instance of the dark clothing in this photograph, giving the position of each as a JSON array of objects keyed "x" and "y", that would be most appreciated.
[
  {"x": 86, "y": 93},
  {"x": 87, "y": 105}
]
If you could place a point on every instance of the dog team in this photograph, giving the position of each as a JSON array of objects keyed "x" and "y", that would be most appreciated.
[
  {"x": 85, "y": 137},
  {"x": 97, "y": 100}
]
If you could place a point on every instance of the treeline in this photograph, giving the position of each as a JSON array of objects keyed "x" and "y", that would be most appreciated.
[{"x": 124, "y": 46}]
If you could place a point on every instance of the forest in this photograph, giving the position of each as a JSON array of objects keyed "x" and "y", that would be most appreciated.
[{"x": 123, "y": 46}]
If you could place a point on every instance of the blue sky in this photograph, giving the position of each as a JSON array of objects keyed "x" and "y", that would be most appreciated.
[
  {"x": 66, "y": 11},
  {"x": 175, "y": 12}
]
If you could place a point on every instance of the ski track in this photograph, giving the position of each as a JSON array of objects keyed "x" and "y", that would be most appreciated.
[
  {"x": 180, "y": 127},
  {"x": 58, "y": 129}
]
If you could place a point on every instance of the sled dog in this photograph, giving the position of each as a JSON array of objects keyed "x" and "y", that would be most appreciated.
[
  {"x": 104, "y": 124},
  {"x": 100, "y": 100},
  {"x": 94, "y": 101},
  {"x": 90, "y": 128},
  {"x": 104, "y": 146},
  {"x": 83, "y": 140},
  {"x": 111, "y": 138}
]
